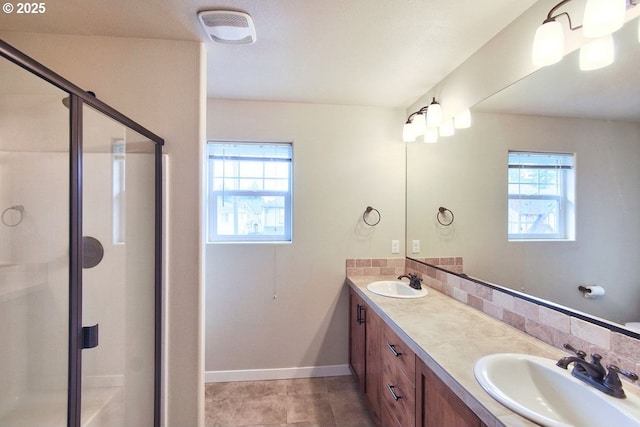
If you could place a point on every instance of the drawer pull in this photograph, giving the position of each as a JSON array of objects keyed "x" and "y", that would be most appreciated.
[
  {"x": 393, "y": 350},
  {"x": 391, "y": 389}
]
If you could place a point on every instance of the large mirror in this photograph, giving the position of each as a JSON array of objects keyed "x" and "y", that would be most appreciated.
[{"x": 594, "y": 115}]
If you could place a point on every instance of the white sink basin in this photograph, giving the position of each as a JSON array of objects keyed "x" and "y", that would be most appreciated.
[
  {"x": 396, "y": 289},
  {"x": 536, "y": 388}
]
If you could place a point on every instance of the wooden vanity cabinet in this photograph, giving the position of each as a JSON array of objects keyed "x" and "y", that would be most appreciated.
[
  {"x": 437, "y": 405},
  {"x": 365, "y": 338},
  {"x": 400, "y": 389},
  {"x": 398, "y": 381}
]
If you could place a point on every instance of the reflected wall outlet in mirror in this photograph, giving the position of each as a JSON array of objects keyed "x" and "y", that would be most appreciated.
[{"x": 415, "y": 246}]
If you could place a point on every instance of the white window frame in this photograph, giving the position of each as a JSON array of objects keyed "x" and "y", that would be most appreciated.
[
  {"x": 213, "y": 195},
  {"x": 564, "y": 163}
]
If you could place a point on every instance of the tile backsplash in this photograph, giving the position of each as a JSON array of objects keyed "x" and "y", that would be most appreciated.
[{"x": 551, "y": 326}]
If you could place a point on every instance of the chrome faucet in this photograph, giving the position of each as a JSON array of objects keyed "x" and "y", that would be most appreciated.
[
  {"x": 414, "y": 280},
  {"x": 594, "y": 374}
]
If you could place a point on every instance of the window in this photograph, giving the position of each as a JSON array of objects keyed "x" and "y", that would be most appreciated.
[
  {"x": 541, "y": 196},
  {"x": 249, "y": 192}
]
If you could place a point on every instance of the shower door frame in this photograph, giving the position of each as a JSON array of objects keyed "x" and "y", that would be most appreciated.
[{"x": 78, "y": 98}]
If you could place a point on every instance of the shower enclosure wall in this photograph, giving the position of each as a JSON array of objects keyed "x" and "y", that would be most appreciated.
[{"x": 80, "y": 294}]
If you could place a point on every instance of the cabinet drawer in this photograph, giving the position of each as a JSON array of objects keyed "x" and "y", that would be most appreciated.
[
  {"x": 395, "y": 351},
  {"x": 397, "y": 395}
]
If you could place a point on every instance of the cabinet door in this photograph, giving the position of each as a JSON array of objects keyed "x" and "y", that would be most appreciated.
[
  {"x": 437, "y": 405},
  {"x": 357, "y": 346},
  {"x": 373, "y": 362}
]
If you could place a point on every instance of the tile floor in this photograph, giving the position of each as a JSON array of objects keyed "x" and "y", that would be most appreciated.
[{"x": 322, "y": 402}]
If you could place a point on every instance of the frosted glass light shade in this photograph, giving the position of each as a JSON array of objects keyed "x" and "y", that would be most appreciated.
[
  {"x": 597, "y": 53},
  {"x": 462, "y": 120},
  {"x": 638, "y": 30},
  {"x": 603, "y": 17},
  {"x": 446, "y": 128},
  {"x": 434, "y": 114},
  {"x": 407, "y": 133},
  {"x": 548, "y": 44},
  {"x": 419, "y": 124},
  {"x": 431, "y": 135}
]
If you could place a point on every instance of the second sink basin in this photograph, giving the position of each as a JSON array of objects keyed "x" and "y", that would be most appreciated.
[
  {"x": 536, "y": 388},
  {"x": 396, "y": 289}
]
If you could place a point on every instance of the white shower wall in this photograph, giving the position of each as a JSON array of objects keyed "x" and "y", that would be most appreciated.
[{"x": 34, "y": 277}]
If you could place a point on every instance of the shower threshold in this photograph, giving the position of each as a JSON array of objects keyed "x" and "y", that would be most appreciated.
[{"x": 101, "y": 407}]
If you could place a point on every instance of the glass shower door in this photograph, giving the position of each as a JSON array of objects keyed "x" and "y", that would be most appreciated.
[
  {"x": 118, "y": 275},
  {"x": 34, "y": 243}
]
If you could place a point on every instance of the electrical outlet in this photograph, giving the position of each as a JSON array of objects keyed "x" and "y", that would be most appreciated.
[
  {"x": 415, "y": 246},
  {"x": 395, "y": 246}
]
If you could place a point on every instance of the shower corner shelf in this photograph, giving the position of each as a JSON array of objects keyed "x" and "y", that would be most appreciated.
[{"x": 7, "y": 264}]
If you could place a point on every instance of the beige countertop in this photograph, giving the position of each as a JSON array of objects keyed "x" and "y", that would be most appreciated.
[{"x": 449, "y": 337}]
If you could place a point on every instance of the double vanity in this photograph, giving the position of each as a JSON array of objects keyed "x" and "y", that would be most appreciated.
[{"x": 425, "y": 359}]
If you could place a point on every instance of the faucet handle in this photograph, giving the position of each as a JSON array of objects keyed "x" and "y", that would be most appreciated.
[
  {"x": 581, "y": 354},
  {"x": 595, "y": 361},
  {"x": 631, "y": 375},
  {"x": 612, "y": 380}
]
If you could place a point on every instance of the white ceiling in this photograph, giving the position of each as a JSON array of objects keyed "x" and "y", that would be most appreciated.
[{"x": 363, "y": 52}]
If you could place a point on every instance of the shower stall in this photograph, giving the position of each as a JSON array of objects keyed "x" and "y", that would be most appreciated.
[{"x": 80, "y": 256}]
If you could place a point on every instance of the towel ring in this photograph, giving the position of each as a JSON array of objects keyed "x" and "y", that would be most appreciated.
[
  {"x": 17, "y": 208},
  {"x": 366, "y": 213},
  {"x": 442, "y": 213}
]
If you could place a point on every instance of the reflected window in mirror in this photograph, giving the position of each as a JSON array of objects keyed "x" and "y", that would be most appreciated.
[{"x": 541, "y": 189}]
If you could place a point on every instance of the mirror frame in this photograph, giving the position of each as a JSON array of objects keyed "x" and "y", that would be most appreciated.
[{"x": 612, "y": 326}]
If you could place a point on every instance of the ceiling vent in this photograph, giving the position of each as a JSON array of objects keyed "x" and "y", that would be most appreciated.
[{"x": 225, "y": 26}]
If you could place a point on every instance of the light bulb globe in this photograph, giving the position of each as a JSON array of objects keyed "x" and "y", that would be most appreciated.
[
  {"x": 548, "y": 44},
  {"x": 603, "y": 17}
]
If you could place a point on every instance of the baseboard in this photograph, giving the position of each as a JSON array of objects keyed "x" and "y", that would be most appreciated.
[{"x": 276, "y": 374}]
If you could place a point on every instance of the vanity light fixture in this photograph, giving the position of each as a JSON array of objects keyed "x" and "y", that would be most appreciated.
[
  {"x": 597, "y": 53},
  {"x": 446, "y": 128},
  {"x": 428, "y": 121},
  {"x": 462, "y": 120},
  {"x": 408, "y": 135},
  {"x": 548, "y": 44},
  {"x": 434, "y": 114},
  {"x": 417, "y": 122},
  {"x": 431, "y": 135},
  {"x": 601, "y": 19}
]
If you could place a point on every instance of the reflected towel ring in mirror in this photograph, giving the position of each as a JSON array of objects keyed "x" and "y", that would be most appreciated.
[
  {"x": 367, "y": 213},
  {"x": 443, "y": 218},
  {"x": 11, "y": 219}
]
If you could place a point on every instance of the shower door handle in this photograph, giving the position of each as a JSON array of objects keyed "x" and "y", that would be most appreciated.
[{"x": 90, "y": 336}]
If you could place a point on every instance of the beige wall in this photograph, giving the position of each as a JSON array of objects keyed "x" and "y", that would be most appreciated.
[
  {"x": 158, "y": 84},
  {"x": 345, "y": 158}
]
